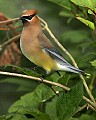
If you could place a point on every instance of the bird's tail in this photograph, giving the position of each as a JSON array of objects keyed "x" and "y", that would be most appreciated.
[
  {"x": 87, "y": 75},
  {"x": 77, "y": 70}
]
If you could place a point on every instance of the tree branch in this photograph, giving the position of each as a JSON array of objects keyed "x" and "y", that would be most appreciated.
[
  {"x": 35, "y": 78},
  {"x": 9, "y": 21},
  {"x": 46, "y": 82},
  {"x": 11, "y": 40}
]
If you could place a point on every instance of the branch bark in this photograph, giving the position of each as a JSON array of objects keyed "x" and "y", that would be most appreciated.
[
  {"x": 46, "y": 82},
  {"x": 9, "y": 21}
]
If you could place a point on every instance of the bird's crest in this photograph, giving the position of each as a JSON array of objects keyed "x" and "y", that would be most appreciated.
[{"x": 29, "y": 12}]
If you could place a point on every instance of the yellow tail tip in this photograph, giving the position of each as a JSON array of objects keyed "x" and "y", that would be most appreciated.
[{"x": 88, "y": 75}]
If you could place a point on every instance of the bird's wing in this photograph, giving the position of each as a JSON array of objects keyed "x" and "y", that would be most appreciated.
[
  {"x": 44, "y": 41},
  {"x": 54, "y": 53},
  {"x": 48, "y": 48}
]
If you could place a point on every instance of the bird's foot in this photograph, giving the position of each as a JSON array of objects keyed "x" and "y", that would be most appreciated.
[{"x": 42, "y": 77}]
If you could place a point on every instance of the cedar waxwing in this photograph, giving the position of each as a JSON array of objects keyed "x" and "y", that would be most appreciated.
[{"x": 38, "y": 48}]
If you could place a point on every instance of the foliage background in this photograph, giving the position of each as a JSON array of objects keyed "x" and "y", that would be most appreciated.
[{"x": 76, "y": 37}]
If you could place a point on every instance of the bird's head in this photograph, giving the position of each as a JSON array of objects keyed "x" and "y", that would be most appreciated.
[{"x": 29, "y": 16}]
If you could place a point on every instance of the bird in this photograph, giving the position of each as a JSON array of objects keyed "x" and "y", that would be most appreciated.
[{"x": 36, "y": 47}]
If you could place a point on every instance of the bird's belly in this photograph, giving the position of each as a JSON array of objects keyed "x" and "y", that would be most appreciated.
[
  {"x": 40, "y": 58},
  {"x": 43, "y": 61}
]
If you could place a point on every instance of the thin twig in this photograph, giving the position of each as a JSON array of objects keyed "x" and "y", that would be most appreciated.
[
  {"x": 35, "y": 78},
  {"x": 10, "y": 40},
  {"x": 46, "y": 82},
  {"x": 89, "y": 101},
  {"x": 8, "y": 21},
  {"x": 70, "y": 56},
  {"x": 81, "y": 108},
  {"x": 92, "y": 107},
  {"x": 85, "y": 106}
]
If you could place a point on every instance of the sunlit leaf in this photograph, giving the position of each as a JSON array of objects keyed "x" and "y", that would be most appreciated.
[
  {"x": 87, "y": 22},
  {"x": 93, "y": 63},
  {"x": 85, "y": 3},
  {"x": 92, "y": 12}
]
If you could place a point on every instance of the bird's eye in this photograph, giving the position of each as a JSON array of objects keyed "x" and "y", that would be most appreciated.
[{"x": 29, "y": 17}]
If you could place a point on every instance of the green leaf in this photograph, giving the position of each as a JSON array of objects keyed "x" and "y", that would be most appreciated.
[
  {"x": 41, "y": 94},
  {"x": 64, "y": 3},
  {"x": 87, "y": 117},
  {"x": 86, "y": 3},
  {"x": 33, "y": 111},
  {"x": 68, "y": 102},
  {"x": 55, "y": 77},
  {"x": 64, "y": 80},
  {"x": 87, "y": 22},
  {"x": 93, "y": 63},
  {"x": 7, "y": 116},
  {"x": 13, "y": 116},
  {"x": 19, "y": 117},
  {"x": 90, "y": 12},
  {"x": 50, "y": 108},
  {"x": 27, "y": 71}
]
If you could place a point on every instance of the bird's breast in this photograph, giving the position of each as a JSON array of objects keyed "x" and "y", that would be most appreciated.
[{"x": 36, "y": 55}]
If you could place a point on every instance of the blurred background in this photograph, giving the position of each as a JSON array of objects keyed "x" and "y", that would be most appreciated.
[{"x": 70, "y": 32}]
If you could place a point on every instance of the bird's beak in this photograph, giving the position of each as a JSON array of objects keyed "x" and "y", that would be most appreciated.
[{"x": 24, "y": 20}]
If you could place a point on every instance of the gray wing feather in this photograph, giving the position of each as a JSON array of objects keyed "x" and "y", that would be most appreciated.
[
  {"x": 58, "y": 57},
  {"x": 48, "y": 47}
]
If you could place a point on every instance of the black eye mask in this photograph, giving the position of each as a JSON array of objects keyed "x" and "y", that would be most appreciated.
[{"x": 26, "y": 18}]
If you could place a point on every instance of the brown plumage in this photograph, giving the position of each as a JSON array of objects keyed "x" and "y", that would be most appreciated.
[
  {"x": 31, "y": 46},
  {"x": 38, "y": 48}
]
